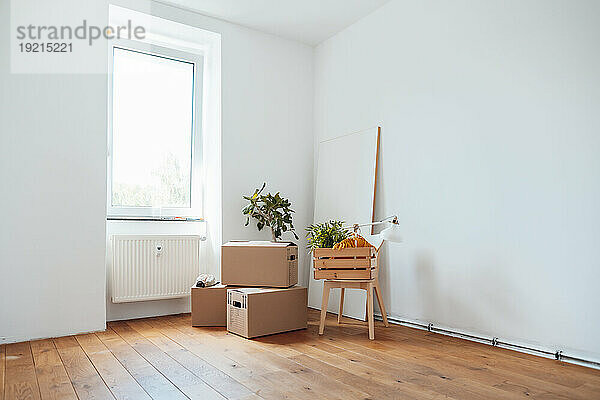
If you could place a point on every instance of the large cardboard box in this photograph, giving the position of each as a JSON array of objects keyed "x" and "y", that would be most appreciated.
[
  {"x": 253, "y": 312},
  {"x": 209, "y": 306},
  {"x": 259, "y": 263}
]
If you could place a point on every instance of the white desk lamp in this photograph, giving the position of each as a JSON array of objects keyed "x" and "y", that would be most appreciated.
[{"x": 391, "y": 233}]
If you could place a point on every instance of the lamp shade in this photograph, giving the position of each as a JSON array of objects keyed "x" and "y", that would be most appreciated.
[{"x": 391, "y": 233}]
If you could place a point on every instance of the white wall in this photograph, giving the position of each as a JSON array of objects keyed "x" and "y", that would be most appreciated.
[
  {"x": 489, "y": 155},
  {"x": 52, "y": 169},
  {"x": 53, "y": 163}
]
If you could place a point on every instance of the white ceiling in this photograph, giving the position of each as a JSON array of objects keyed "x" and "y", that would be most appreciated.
[{"x": 307, "y": 21}]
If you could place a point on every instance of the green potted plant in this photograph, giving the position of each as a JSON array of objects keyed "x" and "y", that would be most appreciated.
[
  {"x": 270, "y": 210},
  {"x": 325, "y": 234}
]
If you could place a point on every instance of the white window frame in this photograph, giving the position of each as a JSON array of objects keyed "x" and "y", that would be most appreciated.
[{"x": 196, "y": 178}]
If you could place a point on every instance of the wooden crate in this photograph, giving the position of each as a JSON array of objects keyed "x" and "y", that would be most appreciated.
[{"x": 350, "y": 263}]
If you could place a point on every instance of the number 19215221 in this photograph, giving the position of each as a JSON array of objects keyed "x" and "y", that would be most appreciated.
[{"x": 50, "y": 47}]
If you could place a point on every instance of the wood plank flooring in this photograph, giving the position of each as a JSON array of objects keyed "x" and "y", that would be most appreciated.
[{"x": 166, "y": 358}]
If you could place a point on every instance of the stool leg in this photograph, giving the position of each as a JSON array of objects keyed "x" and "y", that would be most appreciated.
[
  {"x": 370, "y": 311},
  {"x": 381, "y": 305},
  {"x": 341, "y": 305},
  {"x": 326, "y": 289}
]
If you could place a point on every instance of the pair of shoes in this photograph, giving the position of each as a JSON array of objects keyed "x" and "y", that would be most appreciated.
[{"x": 206, "y": 280}]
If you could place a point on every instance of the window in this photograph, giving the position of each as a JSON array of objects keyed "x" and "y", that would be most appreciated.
[{"x": 153, "y": 145}]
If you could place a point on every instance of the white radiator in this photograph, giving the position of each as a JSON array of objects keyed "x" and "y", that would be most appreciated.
[{"x": 151, "y": 267}]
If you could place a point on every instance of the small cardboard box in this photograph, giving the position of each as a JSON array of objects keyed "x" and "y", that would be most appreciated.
[
  {"x": 209, "y": 306},
  {"x": 259, "y": 263},
  {"x": 253, "y": 312}
]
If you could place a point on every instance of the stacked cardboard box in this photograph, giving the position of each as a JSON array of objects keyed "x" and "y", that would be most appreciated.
[
  {"x": 258, "y": 263},
  {"x": 257, "y": 296}
]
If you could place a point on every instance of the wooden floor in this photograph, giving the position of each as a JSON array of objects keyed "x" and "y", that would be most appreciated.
[{"x": 165, "y": 358}]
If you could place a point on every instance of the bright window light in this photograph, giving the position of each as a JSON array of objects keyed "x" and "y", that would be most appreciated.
[{"x": 152, "y": 130}]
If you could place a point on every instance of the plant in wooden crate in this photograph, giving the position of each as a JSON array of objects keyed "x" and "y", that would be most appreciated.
[
  {"x": 326, "y": 234},
  {"x": 270, "y": 210},
  {"x": 337, "y": 254}
]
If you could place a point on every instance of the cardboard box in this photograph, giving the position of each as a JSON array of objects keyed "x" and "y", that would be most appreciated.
[
  {"x": 259, "y": 263},
  {"x": 209, "y": 306},
  {"x": 253, "y": 312}
]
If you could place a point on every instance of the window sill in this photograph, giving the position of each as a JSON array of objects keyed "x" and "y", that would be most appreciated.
[{"x": 156, "y": 219}]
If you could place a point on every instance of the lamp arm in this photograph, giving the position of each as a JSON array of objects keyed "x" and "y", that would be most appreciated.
[{"x": 392, "y": 218}]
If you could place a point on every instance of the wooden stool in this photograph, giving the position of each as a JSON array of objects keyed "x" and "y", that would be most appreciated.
[{"x": 369, "y": 285}]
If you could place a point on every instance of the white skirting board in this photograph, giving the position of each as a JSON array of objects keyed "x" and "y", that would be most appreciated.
[{"x": 496, "y": 342}]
